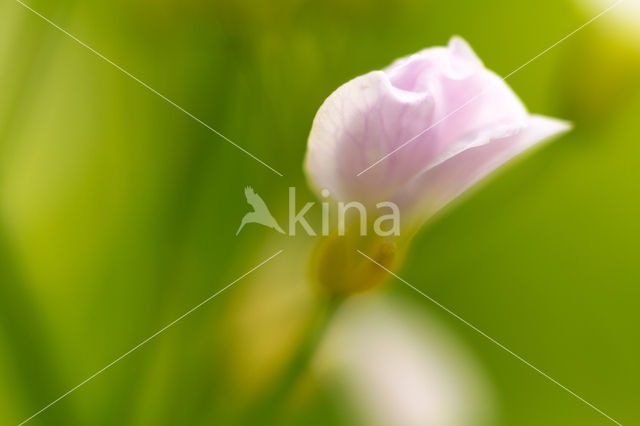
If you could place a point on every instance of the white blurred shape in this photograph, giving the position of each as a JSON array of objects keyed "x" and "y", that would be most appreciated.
[
  {"x": 622, "y": 21},
  {"x": 400, "y": 367}
]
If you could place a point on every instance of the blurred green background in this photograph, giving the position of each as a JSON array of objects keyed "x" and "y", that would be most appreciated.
[{"x": 118, "y": 212}]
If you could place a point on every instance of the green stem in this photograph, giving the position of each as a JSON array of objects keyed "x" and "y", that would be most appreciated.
[{"x": 269, "y": 410}]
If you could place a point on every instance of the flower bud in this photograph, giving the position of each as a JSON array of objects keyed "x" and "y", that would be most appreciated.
[
  {"x": 340, "y": 268},
  {"x": 420, "y": 132}
]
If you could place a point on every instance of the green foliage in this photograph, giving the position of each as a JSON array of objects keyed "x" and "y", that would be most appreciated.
[{"x": 118, "y": 212}]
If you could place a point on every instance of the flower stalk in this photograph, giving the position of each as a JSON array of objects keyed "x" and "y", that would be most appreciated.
[{"x": 273, "y": 404}]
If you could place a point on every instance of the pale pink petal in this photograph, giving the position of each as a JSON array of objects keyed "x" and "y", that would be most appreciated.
[
  {"x": 441, "y": 184},
  {"x": 359, "y": 123},
  {"x": 422, "y": 116}
]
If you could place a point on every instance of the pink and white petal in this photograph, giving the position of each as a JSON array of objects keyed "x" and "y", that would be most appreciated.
[
  {"x": 358, "y": 124},
  {"x": 456, "y": 61},
  {"x": 443, "y": 183},
  {"x": 467, "y": 96},
  {"x": 465, "y": 106}
]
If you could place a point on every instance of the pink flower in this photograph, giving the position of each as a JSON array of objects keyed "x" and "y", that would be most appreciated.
[{"x": 476, "y": 123}]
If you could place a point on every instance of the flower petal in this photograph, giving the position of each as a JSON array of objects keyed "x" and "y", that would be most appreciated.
[
  {"x": 359, "y": 123},
  {"x": 444, "y": 182},
  {"x": 416, "y": 109}
]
